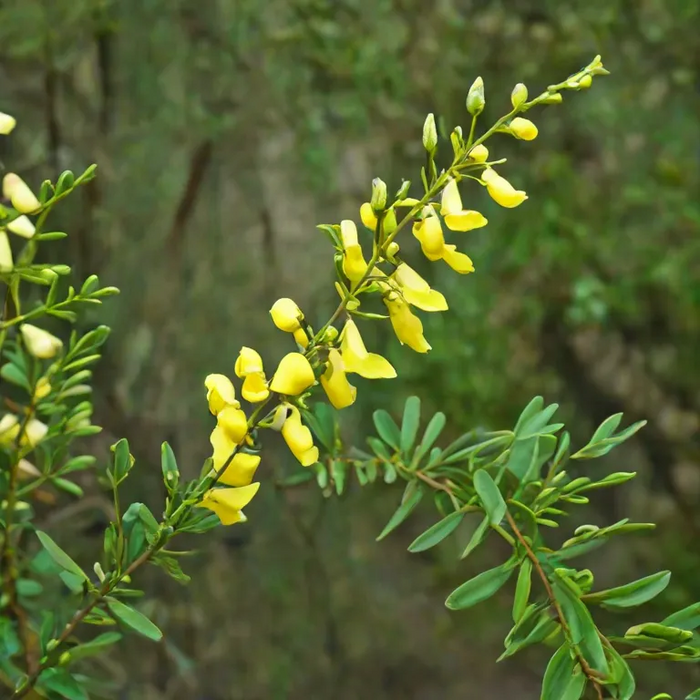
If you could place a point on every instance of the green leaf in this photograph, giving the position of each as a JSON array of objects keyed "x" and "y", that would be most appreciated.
[
  {"x": 602, "y": 447},
  {"x": 521, "y": 457},
  {"x": 95, "y": 646},
  {"x": 297, "y": 478},
  {"x": 12, "y": 373},
  {"x": 168, "y": 465},
  {"x": 478, "y": 536},
  {"x": 171, "y": 566},
  {"x": 149, "y": 522},
  {"x": 529, "y": 412},
  {"x": 559, "y": 676},
  {"x": 437, "y": 533},
  {"x": 606, "y": 428},
  {"x": 59, "y": 556},
  {"x": 537, "y": 422},
  {"x": 695, "y": 695},
  {"x": 532, "y": 629},
  {"x": 338, "y": 473},
  {"x": 135, "y": 620},
  {"x": 686, "y": 619},
  {"x": 60, "y": 681},
  {"x": 74, "y": 582},
  {"x": 409, "y": 424},
  {"x": 522, "y": 590},
  {"x": 68, "y": 486},
  {"x": 386, "y": 428},
  {"x": 631, "y": 594},
  {"x": 490, "y": 496},
  {"x": 623, "y": 674},
  {"x": 479, "y": 588},
  {"x": 28, "y": 588},
  {"x": 77, "y": 464},
  {"x": 123, "y": 461},
  {"x": 431, "y": 434},
  {"x": 411, "y": 498}
]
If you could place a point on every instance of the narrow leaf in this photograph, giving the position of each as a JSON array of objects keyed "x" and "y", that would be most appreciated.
[
  {"x": 478, "y": 536},
  {"x": 490, "y": 496},
  {"x": 631, "y": 594},
  {"x": 410, "y": 423},
  {"x": 522, "y": 590},
  {"x": 59, "y": 556},
  {"x": 135, "y": 620},
  {"x": 558, "y": 674},
  {"x": 386, "y": 428},
  {"x": 480, "y": 587},
  {"x": 411, "y": 498},
  {"x": 437, "y": 533}
]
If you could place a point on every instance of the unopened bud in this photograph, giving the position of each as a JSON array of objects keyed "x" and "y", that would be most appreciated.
[
  {"x": 479, "y": 153},
  {"x": 554, "y": 98},
  {"x": 403, "y": 190},
  {"x": 585, "y": 82},
  {"x": 6, "y": 261},
  {"x": 7, "y": 123},
  {"x": 430, "y": 136},
  {"x": 392, "y": 249},
  {"x": 475, "y": 97},
  {"x": 330, "y": 334},
  {"x": 389, "y": 222},
  {"x": 378, "y": 194},
  {"x": 19, "y": 194},
  {"x": 98, "y": 571},
  {"x": 64, "y": 658},
  {"x": 518, "y": 95}
]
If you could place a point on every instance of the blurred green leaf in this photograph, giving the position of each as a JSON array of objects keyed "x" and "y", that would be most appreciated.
[
  {"x": 479, "y": 588},
  {"x": 59, "y": 556},
  {"x": 490, "y": 496},
  {"x": 411, "y": 498},
  {"x": 387, "y": 429},
  {"x": 134, "y": 619},
  {"x": 409, "y": 424},
  {"x": 437, "y": 532}
]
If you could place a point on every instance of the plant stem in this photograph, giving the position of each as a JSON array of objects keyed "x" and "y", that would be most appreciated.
[{"x": 590, "y": 673}]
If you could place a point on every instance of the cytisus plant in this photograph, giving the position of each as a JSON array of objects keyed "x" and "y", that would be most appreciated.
[{"x": 515, "y": 479}]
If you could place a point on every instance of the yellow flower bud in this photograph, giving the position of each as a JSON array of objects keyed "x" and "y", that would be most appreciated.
[
  {"x": 42, "y": 389},
  {"x": 417, "y": 291},
  {"x": 220, "y": 393},
  {"x": 335, "y": 382},
  {"x": 585, "y": 82},
  {"x": 39, "y": 342},
  {"x": 34, "y": 432},
  {"x": 554, "y": 99},
  {"x": 286, "y": 315},
  {"x": 479, "y": 153},
  {"x": 233, "y": 422},
  {"x": 392, "y": 249},
  {"x": 523, "y": 129},
  {"x": 228, "y": 503},
  {"x": 22, "y": 198},
  {"x": 301, "y": 338},
  {"x": 354, "y": 264},
  {"x": 22, "y": 226},
  {"x": 475, "y": 98},
  {"x": 6, "y": 261},
  {"x": 407, "y": 326},
  {"x": 299, "y": 439},
  {"x": 378, "y": 194},
  {"x": 501, "y": 191},
  {"x": 7, "y": 123},
  {"x": 356, "y": 358},
  {"x": 248, "y": 362},
  {"x": 519, "y": 95},
  {"x": 369, "y": 218},
  {"x": 9, "y": 428},
  {"x": 294, "y": 375},
  {"x": 430, "y": 135},
  {"x": 459, "y": 262},
  {"x": 429, "y": 234}
]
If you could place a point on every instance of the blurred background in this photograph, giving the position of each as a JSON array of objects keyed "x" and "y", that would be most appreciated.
[{"x": 224, "y": 130}]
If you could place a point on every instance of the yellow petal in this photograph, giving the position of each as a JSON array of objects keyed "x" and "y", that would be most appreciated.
[
  {"x": 501, "y": 191},
  {"x": 227, "y": 503},
  {"x": 223, "y": 446},
  {"x": 335, "y": 382},
  {"x": 254, "y": 388},
  {"x": 451, "y": 201},
  {"x": 9, "y": 428},
  {"x": 286, "y": 315},
  {"x": 39, "y": 342},
  {"x": 234, "y": 422},
  {"x": 7, "y": 123},
  {"x": 299, "y": 439},
  {"x": 348, "y": 233},
  {"x": 6, "y": 260},
  {"x": 241, "y": 470},
  {"x": 429, "y": 233},
  {"x": 301, "y": 338},
  {"x": 42, "y": 389},
  {"x": 22, "y": 226},
  {"x": 220, "y": 392},
  {"x": 465, "y": 220},
  {"x": 523, "y": 129},
  {"x": 479, "y": 153},
  {"x": 22, "y": 198},
  {"x": 368, "y": 216},
  {"x": 34, "y": 432},
  {"x": 356, "y": 358},
  {"x": 354, "y": 264},
  {"x": 293, "y": 376},
  {"x": 407, "y": 326},
  {"x": 417, "y": 291},
  {"x": 459, "y": 262},
  {"x": 248, "y": 362}
]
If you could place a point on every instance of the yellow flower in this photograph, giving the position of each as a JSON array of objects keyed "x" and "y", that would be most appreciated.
[
  {"x": 417, "y": 291},
  {"x": 22, "y": 198},
  {"x": 233, "y": 422},
  {"x": 286, "y": 315},
  {"x": 22, "y": 226},
  {"x": 354, "y": 264},
  {"x": 369, "y": 218},
  {"x": 34, "y": 432},
  {"x": 335, "y": 382},
  {"x": 479, "y": 153},
  {"x": 42, "y": 389},
  {"x": 501, "y": 191},
  {"x": 429, "y": 234},
  {"x": 407, "y": 326},
  {"x": 456, "y": 218},
  {"x": 301, "y": 338},
  {"x": 356, "y": 358},
  {"x": 242, "y": 467},
  {"x": 299, "y": 439},
  {"x": 294, "y": 375},
  {"x": 459, "y": 262},
  {"x": 9, "y": 428},
  {"x": 6, "y": 261},
  {"x": 40, "y": 343},
  {"x": 228, "y": 503},
  {"x": 7, "y": 123},
  {"x": 523, "y": 129},
  {"x": 220, "y": 393},
  {"x": 249, "y": 366}
]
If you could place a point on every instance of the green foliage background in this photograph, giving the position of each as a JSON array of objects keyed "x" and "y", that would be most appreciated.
[{"x": 223, "y": 133}]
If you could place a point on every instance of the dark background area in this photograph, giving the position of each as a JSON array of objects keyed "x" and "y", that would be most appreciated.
[{"x": 224, "y": 130}]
